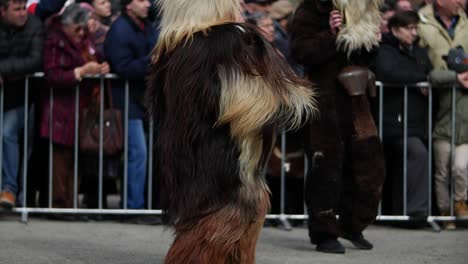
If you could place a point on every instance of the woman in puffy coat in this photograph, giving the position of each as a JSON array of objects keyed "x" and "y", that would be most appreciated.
[{"x": 68, "y": 56}]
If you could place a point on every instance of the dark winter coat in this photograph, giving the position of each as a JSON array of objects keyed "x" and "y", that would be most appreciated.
[
  {"x": 313, "y": 45},
  {"x": 20, "y": 54},
  {"x": 395, "y": 64},
  {"x": 127, "y": 48},
  {"x": 61, "y": 57}
]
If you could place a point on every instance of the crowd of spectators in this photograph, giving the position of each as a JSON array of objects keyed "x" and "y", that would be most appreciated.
[{"x": 70, "y": 39}]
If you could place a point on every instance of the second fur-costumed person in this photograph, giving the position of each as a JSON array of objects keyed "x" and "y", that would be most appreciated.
[
  {"x": 335, "y": 40},
  {"x": 218, "y": 92}
]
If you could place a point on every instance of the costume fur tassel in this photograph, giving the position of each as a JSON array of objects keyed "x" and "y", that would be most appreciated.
[
  {"x": 217, "y": 93},
  {"x": 360, "y": 24}
]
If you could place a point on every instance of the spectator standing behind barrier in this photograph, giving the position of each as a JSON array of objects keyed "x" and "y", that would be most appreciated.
[
  {"x": 400, "y": 60},
  {"x": 281, "y": 13},
  {"x": 68, "y": 55},
  {"x": 128, "y": 45},
  {"x": 387, "y": 13},
  {"x": 21, "y": 40},
  {"x": 96, "y": 29},
  {"x": 443, "y": 26},
  {"x": 102, "y": 10},
  {"x": 46, "y": 8}
]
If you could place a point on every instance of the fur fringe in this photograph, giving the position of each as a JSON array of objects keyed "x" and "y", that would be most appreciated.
[
  {"x": 361, "y": 24},
  {"x": 179, "y": 21},
  {"x": 248, "y": 103},
  {"x": 222, "y": 237}
]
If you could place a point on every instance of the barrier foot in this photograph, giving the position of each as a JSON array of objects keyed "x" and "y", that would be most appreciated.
[
  {"x": 24, "y": 217},
  {"x": 285, "y": 223},
  {"x": 435, "y": 226}
]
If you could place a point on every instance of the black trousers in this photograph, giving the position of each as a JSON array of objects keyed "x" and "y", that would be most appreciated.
[{"x": 417, "y": 178}]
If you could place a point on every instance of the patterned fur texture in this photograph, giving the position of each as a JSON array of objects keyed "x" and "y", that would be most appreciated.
[
  {"x": 182, "y": 18},
  {"x": 361, "y": 24},
  {"x": 216, "y": 98}
]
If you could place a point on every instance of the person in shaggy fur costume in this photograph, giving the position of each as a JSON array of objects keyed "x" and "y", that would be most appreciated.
[
  {"x": 217, "y": 93},
  {"x": 345, "y": 152}
]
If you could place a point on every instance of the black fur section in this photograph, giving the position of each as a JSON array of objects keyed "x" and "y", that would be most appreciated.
[{"x": 198, "y": 162}]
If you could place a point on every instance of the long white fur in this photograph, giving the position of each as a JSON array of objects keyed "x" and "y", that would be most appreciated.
[{"x": 361, "y": 24}]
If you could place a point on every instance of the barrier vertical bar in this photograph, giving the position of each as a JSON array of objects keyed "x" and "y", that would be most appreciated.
[
  {"x": 1, "y": 130},
  {"x": 381, "y": 110},
  {"x": 75, "y": 150},
  {"x": 24, "y": 213},
  {"x": 283, "y": 172},
  {"x": 306, "y": 171},
  {"x": 150, "y": 163},
  {"x": 452, "y": 148},
  {"x": 405, "y": 151},
  {"x": 125, "y": 187},
  {"x": 283, "y": 218},
  {"x": 51, "y": 147},
  {"x": 101, "y": 136},
  {"x": 429, "y": 150}
]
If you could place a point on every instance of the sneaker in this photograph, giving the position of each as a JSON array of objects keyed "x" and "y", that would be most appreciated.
[
  {"x": 331, "y": 246},
  {"x": 448, "y": 225},
  {"x": 461, "y": 210},
  {"x": 359, "y": 241},
  {"x": 7, "y": 200}
]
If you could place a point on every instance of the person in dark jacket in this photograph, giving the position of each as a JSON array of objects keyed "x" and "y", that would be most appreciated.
[
  {"x": 346, "y": 157},
  {"x": 21, "y": 39},
  {"x": 127, "y": 47},
  {"x": 401, "y": 61}
]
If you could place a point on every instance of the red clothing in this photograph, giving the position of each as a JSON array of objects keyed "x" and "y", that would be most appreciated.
[{"x": 61, "y": 57}]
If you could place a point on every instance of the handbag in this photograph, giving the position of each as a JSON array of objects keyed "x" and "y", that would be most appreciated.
[{"x": 112, "y": 140}]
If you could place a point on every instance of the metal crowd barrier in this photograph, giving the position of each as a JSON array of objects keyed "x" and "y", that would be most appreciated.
[{"x": 282, "y": 216}]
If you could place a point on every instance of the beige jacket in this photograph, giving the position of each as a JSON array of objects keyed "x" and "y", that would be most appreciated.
[
  {"x": 436, "y": 39},
  {"x": 438, "y": 42}
]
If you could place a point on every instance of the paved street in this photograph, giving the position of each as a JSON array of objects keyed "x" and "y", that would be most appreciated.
[{"x": 44, "y": 241}]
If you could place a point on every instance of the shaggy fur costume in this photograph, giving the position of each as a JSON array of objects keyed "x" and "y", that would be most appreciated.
[
  {"x": 345, "y": 152},
  {"x": 217, "y": 95},
  {"x": 361, "y": 24}
]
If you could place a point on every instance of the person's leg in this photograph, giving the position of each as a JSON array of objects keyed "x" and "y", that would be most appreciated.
[
  {"x": 460, "y": 174},
  {"x": 418, "y": 180},
  {"x": 394, "y": 164},
  {"x": 62, "y": 174},
  {"x": 12, "y": 124},
  {"x": 441, "y": 161},
  {"x": 137, "y": 156}
]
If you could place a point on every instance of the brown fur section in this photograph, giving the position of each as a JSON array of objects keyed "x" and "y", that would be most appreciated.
[
  {"x": 364, "y": 125},
  {"x": 222, "y": 237}
]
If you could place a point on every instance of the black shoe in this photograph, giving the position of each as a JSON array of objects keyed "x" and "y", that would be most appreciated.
[
  {"x": 359, "y": 241},
  {"x": 330, "y": 246}
]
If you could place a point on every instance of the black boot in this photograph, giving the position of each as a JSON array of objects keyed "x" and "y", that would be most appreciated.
[
  {"x": 330, "y": 246},
  {"x": 358, "y": 240}
]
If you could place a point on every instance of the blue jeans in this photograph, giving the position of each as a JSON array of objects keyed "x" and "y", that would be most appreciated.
[
  {"x": 13, "y": 127},
  {"x": 137, "y": 157}
]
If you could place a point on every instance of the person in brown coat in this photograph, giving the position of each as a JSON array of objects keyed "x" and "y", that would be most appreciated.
[{"x": 345, "y": 153}]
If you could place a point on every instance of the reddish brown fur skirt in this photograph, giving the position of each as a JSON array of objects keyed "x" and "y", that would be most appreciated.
[{"x": 222, "y": 237}]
